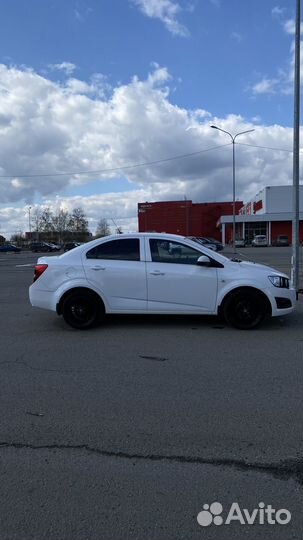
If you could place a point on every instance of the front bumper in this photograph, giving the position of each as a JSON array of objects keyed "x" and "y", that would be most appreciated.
[{"x": 283, "y": 301}]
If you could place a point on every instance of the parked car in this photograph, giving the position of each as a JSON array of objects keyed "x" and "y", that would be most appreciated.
[
  {"x": 55, "y": 247},
  {"x": 70, "y": 245},
  {"x": 218, "y": 244},
  {"x": 6, "y": 248},
  {"x": 204, "y": 242},
  {"x": 157, "y": 273},
  {"x": 259, "y": 241},
  {"x": 240, "y": 242},
  {"x": 42, "y": 246},
  {"x": 281, "y": 240}
]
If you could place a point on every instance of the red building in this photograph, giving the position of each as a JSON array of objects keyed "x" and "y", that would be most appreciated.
[{"x": 184, "y": 217}]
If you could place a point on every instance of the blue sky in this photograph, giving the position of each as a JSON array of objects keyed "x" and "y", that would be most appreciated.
[{"x": 92, "y": 85}]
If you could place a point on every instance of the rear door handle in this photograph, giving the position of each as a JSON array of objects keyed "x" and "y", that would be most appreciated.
[
  {"x": 96, "y": 268},
  {"x": 157, "y": 273}
]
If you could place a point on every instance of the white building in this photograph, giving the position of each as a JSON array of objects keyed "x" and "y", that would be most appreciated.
[{"x": 269, "y": 212}]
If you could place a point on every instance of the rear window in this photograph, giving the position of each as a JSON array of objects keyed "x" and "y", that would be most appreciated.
[{"x": 126, "y": 249}]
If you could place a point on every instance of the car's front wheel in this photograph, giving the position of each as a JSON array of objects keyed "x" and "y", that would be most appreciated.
[
  {"x": 245, "y": 309},
  {"x": 82, "y": 310}
]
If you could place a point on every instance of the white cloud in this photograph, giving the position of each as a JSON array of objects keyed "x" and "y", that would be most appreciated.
[
  {"x": 265, "y": 86},
  {"x": 67, "y": 67},
  {"x": 164, "y": 10},
  {"x": 290, "y": 27},
  {"x": 237, "y": 36},
  {"x": 216, "y": 3},
  {"x": 282, "y": 83},
  {"x": 277, "y": 11},
  {"x": 82, "y": 11},
  {"x": 48, "y": 127}
]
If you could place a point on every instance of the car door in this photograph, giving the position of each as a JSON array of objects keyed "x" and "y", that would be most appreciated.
[
  {"x": 175, "y": 283},
  {"x": 116, "y": 268}
]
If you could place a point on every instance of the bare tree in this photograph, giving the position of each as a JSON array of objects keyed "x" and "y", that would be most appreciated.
[
  {"x": 35, "y": 218},
  {"x": 77, "y": 221},
  {"x": 60, "y": 222},
  {"x": 103, "y": 228},
  {"x": 47, "y": 220},
  {"x": 17, "y": 238}
]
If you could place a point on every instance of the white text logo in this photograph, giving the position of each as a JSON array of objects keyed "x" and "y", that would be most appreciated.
[{"x": 263, "y": 514}]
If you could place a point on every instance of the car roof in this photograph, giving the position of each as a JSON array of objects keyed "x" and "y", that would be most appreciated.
[{"x": 143, "y": 234}]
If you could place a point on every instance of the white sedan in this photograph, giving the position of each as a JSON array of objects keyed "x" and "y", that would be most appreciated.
[
  {"x": 157, "y": 273},
  {"x": 259, "y": 241}
]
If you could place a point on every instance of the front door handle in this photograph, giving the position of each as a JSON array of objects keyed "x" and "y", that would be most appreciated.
[{"x": 157, "y": 273}]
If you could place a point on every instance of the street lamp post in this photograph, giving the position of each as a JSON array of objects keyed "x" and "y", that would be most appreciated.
[
  {"x": 29, "y": 222},
  {"x": 233, "y": 139},
  {"x": 295, "y": 268}
]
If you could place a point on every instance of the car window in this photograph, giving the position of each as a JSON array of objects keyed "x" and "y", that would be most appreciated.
[
  {"x": 126, "y": 249},
  {"x": 172, "y": 252}
]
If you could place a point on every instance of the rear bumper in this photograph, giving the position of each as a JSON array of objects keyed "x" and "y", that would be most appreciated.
[{"x": 42, "y": 299}]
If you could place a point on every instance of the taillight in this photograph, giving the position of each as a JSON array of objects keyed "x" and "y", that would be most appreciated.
[{"x": 39, "y": 269}]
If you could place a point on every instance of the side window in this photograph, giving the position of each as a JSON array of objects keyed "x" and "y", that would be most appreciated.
[
  {"x": 172, "y": 252},
  {"x": 124, "y": 249}
]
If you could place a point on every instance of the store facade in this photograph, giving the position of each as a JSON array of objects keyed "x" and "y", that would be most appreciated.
[{"x": 269, "y": 213}]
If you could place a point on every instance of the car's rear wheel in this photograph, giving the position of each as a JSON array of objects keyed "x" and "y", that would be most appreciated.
[
  {"x": 245, "y": 309},
  {"x": 82, "y": 310}
]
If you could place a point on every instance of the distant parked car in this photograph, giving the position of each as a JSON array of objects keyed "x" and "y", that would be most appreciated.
[
  {"x": 204, "y": 242},
  {"x": 41, "y": 246},
  {"x": 259, "y": 241},
  {"x": 70, "y": 245},
  {"x": 240, "y": 242},
  {"x": 218, "y": 244},
  {"x": 55, "y": 247},
  {"x": 281, "y": 240},
  {"x": 6, "y": 248}
]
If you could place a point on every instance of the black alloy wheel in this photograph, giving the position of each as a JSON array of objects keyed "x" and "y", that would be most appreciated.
[
  {"x": 245, "y": 309},
  {"x": 82, "y": 310}
]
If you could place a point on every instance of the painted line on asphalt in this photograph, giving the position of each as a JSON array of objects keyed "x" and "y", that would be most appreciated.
[{"x": 20, "y": 265}]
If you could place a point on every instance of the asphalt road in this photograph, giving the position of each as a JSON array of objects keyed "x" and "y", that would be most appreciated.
[{"x": 126, "y": 431}]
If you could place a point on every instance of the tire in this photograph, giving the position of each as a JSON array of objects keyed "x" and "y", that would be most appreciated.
[
  {"x": 245, "y": 309},
  {"x": 82, "y": 310}
]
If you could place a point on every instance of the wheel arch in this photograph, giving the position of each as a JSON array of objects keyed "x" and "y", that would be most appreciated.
[
  {"x": 243, "y": 288},
  {"x": 78, "y": 289}
]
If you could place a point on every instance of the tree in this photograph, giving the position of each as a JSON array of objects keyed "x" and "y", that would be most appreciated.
[
  {"x": 46, "y": 220},
  {"x": 35, "y": 218},
  {"x": 59, "y": 225},
  {"x": 103, "y": 228},
  {"x": 17, "y": 238},
  {"x": 60, "y": 222},
  {"x": 77, "y": 221}
]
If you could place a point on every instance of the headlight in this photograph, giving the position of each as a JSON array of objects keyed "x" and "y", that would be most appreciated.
[{"x": 279, "y": 281}]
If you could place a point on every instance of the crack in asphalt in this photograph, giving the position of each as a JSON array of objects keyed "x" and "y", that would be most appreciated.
[
  {"x": 283, "y": 470},
  {"x": 157, "y": 358}
]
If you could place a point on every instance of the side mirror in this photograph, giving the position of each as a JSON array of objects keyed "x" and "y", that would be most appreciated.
[{"x": 203, "y": 261}]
